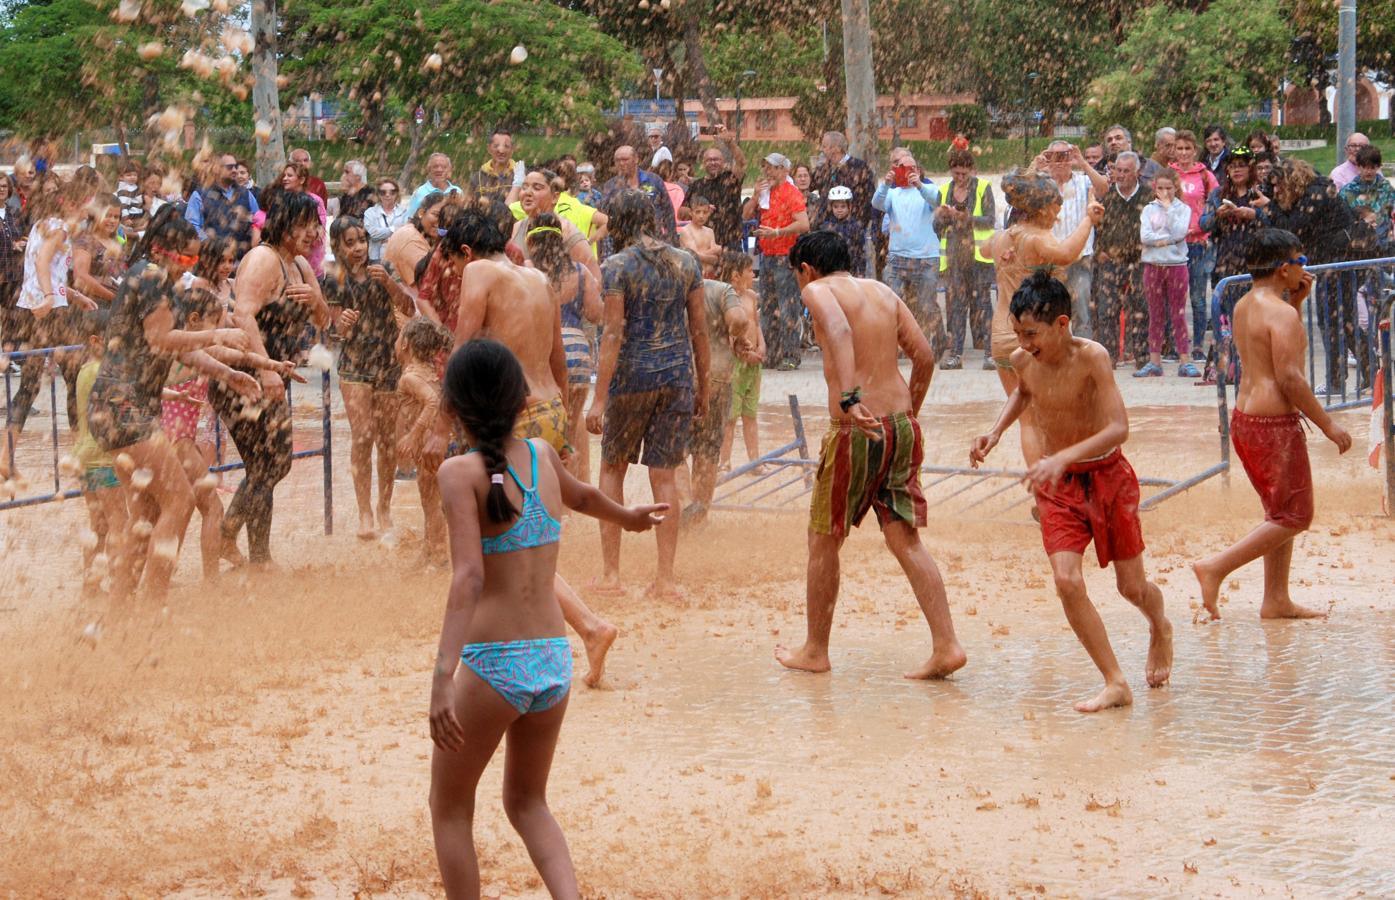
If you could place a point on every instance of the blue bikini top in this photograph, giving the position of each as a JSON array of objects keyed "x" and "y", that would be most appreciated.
[{"x": 535, "y": 526}]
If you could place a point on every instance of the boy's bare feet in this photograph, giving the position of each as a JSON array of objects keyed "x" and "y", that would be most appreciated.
[
  {"x": 803, "y": 659},
  {"x": 384, "y": 522},
  {"x": 1113, "y": 695},
  {"x": 230, "y": 552},
  {"x": 597, "y": 645},
  {"x": 366, "y": 532},
  {"x": 941, "y": 664},
  {"x": 1210, "y": 582},
  {"x": 606, "y": 586},
  {"x": 667, "y": 590},
  {"x": 1159, "y": 666},
  {"x": 1287, "y": 609}
]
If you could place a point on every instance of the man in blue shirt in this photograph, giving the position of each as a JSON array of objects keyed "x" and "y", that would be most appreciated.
[
  {"x": 438, "y": 172},
  {"x": 629, "y": 176},
  {"x": 223, "y": 209},
  {"x": 913, "y": 248}
]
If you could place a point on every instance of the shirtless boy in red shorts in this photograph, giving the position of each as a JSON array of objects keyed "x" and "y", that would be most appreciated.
[
  {"x": 1085, "y": 489},
  {"x": 1266, "y": 426}
]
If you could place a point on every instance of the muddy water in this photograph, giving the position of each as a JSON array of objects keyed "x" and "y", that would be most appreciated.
[{"x": 267, "y": 736}]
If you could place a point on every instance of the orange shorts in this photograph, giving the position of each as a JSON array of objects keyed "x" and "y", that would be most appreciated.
[{"x": 1095, "y": 500}]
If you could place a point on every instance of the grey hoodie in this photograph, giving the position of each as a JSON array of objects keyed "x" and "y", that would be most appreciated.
[{"x": 1164, "y": 233}]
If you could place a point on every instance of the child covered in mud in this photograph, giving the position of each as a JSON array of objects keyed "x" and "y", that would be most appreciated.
[
  {"x": 737, "y": 269},
  {"x": 503, "y": 501},
  {"x": 1267, "y": 424},
  {"x": 1085, "y": 489},
  {"x": 418, "y": 347},
  {"x": 697, "y": 237},
  {"x": 101, "y": 491}
]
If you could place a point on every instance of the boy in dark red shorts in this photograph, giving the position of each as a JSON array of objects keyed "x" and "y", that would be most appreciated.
[
  {"x": 1266, "y": 426},
  {"x": 1085, "y": 489}
]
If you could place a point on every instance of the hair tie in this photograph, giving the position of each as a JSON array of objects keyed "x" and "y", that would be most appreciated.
[
  {"x": 496, "y": 478},
  {"x": 544, "y": 229}
]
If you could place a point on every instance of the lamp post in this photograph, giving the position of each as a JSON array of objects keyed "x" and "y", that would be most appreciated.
[
  {"x": 1346, "y": 75},
  {"x": 658, "y": 76},
  {"x": 1026, "y": 115},
  {"x": 741, "y": 86}
]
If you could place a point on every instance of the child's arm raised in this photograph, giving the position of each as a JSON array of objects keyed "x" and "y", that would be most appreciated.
[
  {"x": 1288, "y": 345},
  {"x": 1017, "y": 403},
  {"x": 466, "y": 582},
  {"x": 588, "y": 500},
  {"x": 1109, "y": 407}
]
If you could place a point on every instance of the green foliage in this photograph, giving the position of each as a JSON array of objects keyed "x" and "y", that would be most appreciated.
[
  {"x": 381, "y": 51},
  {"x": 1178, "y": 67},
  {"x": 1316, "y": 20},
  {"x": 968, "y": 119},
  {"x": 783, "y": 60}
]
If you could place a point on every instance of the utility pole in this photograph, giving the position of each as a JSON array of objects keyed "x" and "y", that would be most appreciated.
[
  {"x": 266, "y": 100},
  {"x": 860, "y": 83},
  {"x": 1346, "y": 76}
]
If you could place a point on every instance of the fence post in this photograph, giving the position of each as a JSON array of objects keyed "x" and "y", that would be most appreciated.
[
  {"x": 328, "y": 456},
  {"x": 799, "y": 434},
  {"x": 53, "y": 424}
]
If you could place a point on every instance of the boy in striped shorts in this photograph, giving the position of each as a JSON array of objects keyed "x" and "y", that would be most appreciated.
[{"x": 870, "y": 459}]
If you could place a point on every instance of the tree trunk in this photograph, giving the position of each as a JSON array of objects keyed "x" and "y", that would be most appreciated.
[
  {"x": 697, "y": 64},
  {"x": 860, "y": 84},
  {"x": 266, "y": 99},
  {"x": 896, "y": 117}
]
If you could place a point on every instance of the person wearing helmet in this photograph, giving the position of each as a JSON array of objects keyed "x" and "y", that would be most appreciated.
[{"x": 840, "y": 220}]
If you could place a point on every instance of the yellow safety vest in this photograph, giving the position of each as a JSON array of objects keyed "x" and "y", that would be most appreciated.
[{"x": 981, "y": 235}]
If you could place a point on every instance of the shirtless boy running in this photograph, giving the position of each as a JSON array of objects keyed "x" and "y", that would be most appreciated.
[
  {"x": 514, "y": 306},
  {"x": 1084, "y": 487},
  {"x": 871, "y": 456},
  {"x": 1266, "y": 426}
]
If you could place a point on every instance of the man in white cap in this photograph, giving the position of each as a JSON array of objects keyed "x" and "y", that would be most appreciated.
[
  {"x": 783, "y": 218},
  {"x": 654, "y": 133}
]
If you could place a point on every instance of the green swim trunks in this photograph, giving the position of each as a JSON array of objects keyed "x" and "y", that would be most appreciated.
[{"x": 745, "y": 390}]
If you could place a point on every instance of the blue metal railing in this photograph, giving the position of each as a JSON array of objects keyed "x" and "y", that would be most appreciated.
[{"x": 325, "y": 451}]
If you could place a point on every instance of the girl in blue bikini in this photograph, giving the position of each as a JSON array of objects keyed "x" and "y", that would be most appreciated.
[{"x": 502, "y": 619}]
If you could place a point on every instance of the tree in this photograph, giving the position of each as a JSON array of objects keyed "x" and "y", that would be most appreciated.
[
  {"x": 455, "y": 59},
  {"x": 1179, "y": 67}
]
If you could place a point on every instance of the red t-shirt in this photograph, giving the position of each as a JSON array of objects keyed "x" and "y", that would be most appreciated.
[{"x": 785, "y": 201}]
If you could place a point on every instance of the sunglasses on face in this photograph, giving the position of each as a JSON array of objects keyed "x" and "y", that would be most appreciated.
[
  {"x": 186, "y": 260},
  {"x": 387, "y": 190}
]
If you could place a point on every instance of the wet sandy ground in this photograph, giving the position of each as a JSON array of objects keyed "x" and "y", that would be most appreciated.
[{"x": 266, "y": 736}]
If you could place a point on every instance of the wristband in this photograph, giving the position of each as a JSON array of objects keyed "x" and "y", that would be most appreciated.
[{"x": 850, "y": 399}]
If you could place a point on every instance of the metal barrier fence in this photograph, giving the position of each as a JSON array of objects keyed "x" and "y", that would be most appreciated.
[
  {"x": 772, "y": 488},
  {"x": 1333, "y": 305},
  {"x": 325, "y": 451}
]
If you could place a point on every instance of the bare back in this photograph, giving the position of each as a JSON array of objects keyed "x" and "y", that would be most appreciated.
[
  {"x": 1074, "y": 398},
  {"x": 864, "y": 317},
  {"x": 1267, "y": 331},
  {"x": 515, "y": 306},
  {"x": 1017, "y": 252}
]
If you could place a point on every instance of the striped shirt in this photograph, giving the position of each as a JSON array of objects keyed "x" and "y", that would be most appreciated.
[{"x": 1075, "y": 202}]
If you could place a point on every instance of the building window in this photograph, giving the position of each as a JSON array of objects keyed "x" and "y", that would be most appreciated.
[
  {"x": 908, "y": 117},
  {"x": 765, "y": 120}
]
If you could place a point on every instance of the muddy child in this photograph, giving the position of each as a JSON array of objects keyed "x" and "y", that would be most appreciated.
[
  {"x": 1085, "y": 489},
  {"x": 871, "y": 456},
  {"x": 1267, "y": 424},
  {"x": 504, "y": 665}
]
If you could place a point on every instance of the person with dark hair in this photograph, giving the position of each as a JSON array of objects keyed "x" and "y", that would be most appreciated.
[
  {"x": 438, "y": 274},
  {"x": 870, "y": 459},
  {"x": 498, "y": 180},
  {"x": 515, "y": 306},
  {"x": 412, "y": 242},
  {"x": 1267, "y": 425},
  {"x": 223, "y": 209},
  {"x": 501, "y": 621},
  {"x": 654, "y": 364},
  {"x": 697, "y": 238},
  {"x": 539, "y": 195},
  {"x": 217, "y": 262},
  {"x": 1216, "y": 144},
  {"x": 1163, "y": 227},
  {"x": 146, "y": 332},
  {"x": 97, "y": 260},
  {"x": 384, "y": 217},
  {"x": 1085, "y": 489},
  {"x": 964, "y": 221},
  {"x": 276, "y": 295},
  {"x": 1232, "y": 217},
  {"x": 365, "y": 304},
  {"x": 721, "y": 184},
  {"x": 1371, "y": 196},
  {"x": 13, "y": 237},
  {"x": 314, "y": 184},
  {"x": 295, "y": 179}
]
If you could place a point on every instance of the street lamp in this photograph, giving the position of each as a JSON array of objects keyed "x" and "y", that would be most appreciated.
[
  {"x": 1026, "y": 114},
  {"x": 740, "y": 86}
]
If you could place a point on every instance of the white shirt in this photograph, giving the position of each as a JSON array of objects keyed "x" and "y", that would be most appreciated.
[
  {"x": 31, "y": 295},
  {"x": 1075, "y": 202},
  {"x": 380, "y": 225}
]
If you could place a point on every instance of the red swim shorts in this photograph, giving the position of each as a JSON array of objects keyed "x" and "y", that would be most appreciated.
[
  {"x": 1094, "y": 500},
  {"x": 1274, "y": 452}
]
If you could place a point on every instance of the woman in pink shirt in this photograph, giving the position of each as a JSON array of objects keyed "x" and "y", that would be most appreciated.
[{"x": 1197, "y": 183}]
